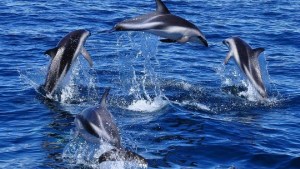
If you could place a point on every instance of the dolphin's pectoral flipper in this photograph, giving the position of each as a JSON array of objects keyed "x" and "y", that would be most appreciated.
[
  {"x": 229, "y": 54},
  {"x": 257, "y": 51},
  {"x": 167, "y": 40},
  {"x": 52, "y": 52},
  {"x": 87, "y": 56},
  {"x": 118, "y": 154},
  {"x": 161, "y": 7}
]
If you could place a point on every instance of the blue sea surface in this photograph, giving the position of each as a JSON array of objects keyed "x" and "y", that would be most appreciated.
[{"x": 175, "y": 104}]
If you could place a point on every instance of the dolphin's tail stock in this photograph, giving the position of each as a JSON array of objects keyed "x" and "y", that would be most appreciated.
[{"x": 118, "y": 154}]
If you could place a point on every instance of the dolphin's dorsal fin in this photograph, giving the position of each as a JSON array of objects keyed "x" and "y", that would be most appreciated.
[
  {"x": 257, "y": 51},
  {"x": 52, "y": 52},
  {"x": 104, "y": 97},
  {"x": 161, "y": 7}
]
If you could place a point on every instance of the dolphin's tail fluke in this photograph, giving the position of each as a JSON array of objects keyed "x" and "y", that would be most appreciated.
[{"x": 117, "y": 154}]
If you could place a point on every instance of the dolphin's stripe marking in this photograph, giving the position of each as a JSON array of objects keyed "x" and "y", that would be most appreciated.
[
  {"x": 143, "y": 26},
  {"x": 101, "y": 132},
  {"x": 99, "y": 123},
  {"x": 63, "y": 56},
  {"x": 246, "y": 59}
]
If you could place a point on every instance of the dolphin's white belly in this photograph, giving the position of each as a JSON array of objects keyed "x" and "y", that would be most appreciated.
[{"x": 173, "y": 33}]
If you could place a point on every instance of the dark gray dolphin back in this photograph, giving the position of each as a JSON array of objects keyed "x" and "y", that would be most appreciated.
[
  {"x": 255, "y": 71},
  {"x": 62, "y": 56},
  {"x": 249, "y": 58},
  {"x": 244, "y": 51},
  {"x": 70, "y": 42}
]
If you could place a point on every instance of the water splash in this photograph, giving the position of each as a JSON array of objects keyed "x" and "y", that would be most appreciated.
[
  {"x": 79, "y": 85},
  {"x": 234, "y": 82},
  {"x": 80, "y": 152},
  {"x": 143, "y": 105},
  {"x": 137, "y": 76}
]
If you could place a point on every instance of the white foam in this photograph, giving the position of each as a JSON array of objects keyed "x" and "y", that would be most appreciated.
[
  {"x": 251, "y": 94},
  {"x": 148, "y": 106},
  {"x": 81, "y": 152},
  {"x": 186, "y": 85}
]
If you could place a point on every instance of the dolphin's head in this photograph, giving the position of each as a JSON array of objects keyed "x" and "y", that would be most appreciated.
[
  {"x": 118, "y": 27},
  {"x": 227, "y": 42},
  {"x": 86, "y": 34}
]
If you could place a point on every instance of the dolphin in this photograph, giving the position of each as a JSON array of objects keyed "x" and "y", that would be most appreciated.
[
  {"x": 164, "y": 24},
  {"x": 247, "y": 60},
  {"x": 63, "y": 56},
  {"x": 96, "y": 124}
]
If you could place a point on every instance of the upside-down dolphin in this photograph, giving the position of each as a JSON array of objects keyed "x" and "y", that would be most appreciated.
[
  {"x": 247, "y": 60},
  {"x": 162, "y": 23},
  {"x": 96, "y": 124},
  {"x": 63, "y": 55}
]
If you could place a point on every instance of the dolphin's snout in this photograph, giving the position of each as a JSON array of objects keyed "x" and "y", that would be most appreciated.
[{"x": 89, "y": 33}]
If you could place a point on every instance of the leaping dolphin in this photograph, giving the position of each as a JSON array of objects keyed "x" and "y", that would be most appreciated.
[
  {"x": 63, "y": 55},
  {"x": 162, "y": 23},
  {"x": 247, "y": 60},
  {"x": 96, "y": 123}
]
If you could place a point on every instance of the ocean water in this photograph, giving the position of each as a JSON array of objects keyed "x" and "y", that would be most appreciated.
[{"x": 177, "y": 105}]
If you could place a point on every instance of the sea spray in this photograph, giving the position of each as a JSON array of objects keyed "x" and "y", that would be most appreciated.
[
  {"x": 80, "y": 152},
  {"x": 80, "y": 85},
  {"x": 138, "y": 62}
]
